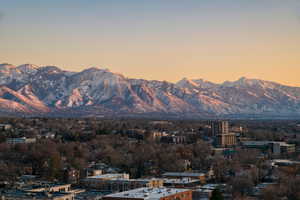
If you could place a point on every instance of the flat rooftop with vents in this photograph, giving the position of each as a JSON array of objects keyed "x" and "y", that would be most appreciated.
[{"x": 152, "y": 194}]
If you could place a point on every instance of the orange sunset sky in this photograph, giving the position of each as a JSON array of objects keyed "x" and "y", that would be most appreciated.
[{"x": 157, "y": 39}]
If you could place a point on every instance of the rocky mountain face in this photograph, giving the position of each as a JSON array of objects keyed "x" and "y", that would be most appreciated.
[{"x": 32, "y": 90}]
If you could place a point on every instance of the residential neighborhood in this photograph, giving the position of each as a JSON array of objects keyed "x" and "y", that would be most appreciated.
[{"x": 68, "y": 159}]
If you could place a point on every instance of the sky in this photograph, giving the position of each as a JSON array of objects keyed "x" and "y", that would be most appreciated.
[{"x": 216, "y": 40}]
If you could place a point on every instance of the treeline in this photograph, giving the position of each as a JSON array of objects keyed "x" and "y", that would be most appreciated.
[{"x": 47, "y": 158}]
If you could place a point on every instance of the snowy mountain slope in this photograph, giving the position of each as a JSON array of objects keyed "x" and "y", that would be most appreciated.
[
  {"x": 50, "y": 90},
  {"x": 12, "y": 106},
  {"x": 24, "y": 97}
]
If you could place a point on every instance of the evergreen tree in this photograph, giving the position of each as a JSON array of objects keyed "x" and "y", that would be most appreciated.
[{"x": 216, "y": 195}]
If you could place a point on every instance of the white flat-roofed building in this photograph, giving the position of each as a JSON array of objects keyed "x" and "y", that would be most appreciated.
[
  {"x": 109, "y": 176},
  {"x": 255, "y": 143},
  {"x": 152, "y": 194},
  {"x": 192, "y": 175},
  {"x": 120, "y": 184},
  {"x": 184, "y": 174},
  {"x": 205, "y": 191},
  {"x": 21, "y": 140},
  {"x": 181, "y": 182},
  {"x": 50, "y": 187},
  {"x": 283, "y": 162}
]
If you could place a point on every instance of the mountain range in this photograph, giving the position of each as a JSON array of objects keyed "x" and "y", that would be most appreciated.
[{"x": 30, "y": 90}]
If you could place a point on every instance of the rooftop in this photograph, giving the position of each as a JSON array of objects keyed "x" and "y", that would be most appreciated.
[
  {"x": 19, "y": 194},
  {"x": 179, "y": 181},
  {"x": 212, "y": 186},
  {"x": 148, "y": 193},
  {"x": 109, "y": 176},
  {"x": 41, "y": 185},
  {"x": 265, "y": 143},
  {"x": 183, "y": 174},
  {"x": 93, "y": 194},
  {"x": 283, "y": 161}
]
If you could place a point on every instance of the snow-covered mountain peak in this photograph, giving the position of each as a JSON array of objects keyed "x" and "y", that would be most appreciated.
[
  {"x": 96, "y": 69},
  {"x": 28, "y": 68},
  {"x": 248, "y": 82},
  {"x": 243, "y": 81},
  {"x": 99, "y": 73},
  {"x": 51, "y": 90},
  {"x": 6, "y": 66},
  {"x": 187, "y": 83},
  {"x": 195, "y": 84},
  {"x": 50, "y": 70},
  {"x": 204, "y": 83}
]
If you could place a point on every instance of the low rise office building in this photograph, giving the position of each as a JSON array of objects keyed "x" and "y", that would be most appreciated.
[
  {"x": 23, "y": 195},
  {"x": 198, "y": 176},
  {"x": 49, "y": 187},
  {"x": 181, "y": 183},
  {"x": 21, "y": 140},
  {"x": 274, "y": 147},
  {"x": 152, "y": 194},
  {"x": 120, "y": 184},
  {"x": 109, "y": 176}
]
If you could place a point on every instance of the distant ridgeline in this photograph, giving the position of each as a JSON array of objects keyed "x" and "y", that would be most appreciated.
[{"x": 29, "y": 90}]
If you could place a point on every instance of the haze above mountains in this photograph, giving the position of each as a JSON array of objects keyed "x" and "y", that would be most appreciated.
[{"x": 29, "y": 90}]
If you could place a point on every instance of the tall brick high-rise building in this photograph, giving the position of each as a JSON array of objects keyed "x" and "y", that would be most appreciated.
[
  {"x": 219, "y": 127},
  {"x": 220, "y": 132}
]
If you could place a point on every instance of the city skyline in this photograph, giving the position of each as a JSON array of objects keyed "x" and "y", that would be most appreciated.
[{"x": 161, "y": 40}]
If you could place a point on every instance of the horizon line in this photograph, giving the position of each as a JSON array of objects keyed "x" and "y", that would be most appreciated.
[{"x": 147, "y": 79}]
